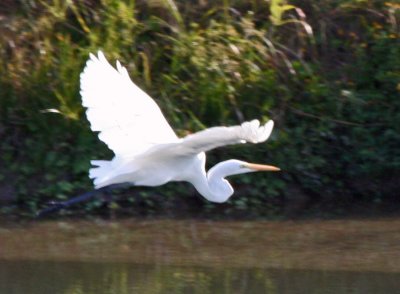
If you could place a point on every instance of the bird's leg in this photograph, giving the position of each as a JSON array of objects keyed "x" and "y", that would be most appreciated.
[
  {"x": 107, "y": 194},
  {"x": 108, "y": 198},
  {"x": 108, "y": 202},
  {"x": 55, "y": 205}
]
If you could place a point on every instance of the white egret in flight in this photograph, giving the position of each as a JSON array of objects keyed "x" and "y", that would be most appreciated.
[{"x": 147, "y": 150}]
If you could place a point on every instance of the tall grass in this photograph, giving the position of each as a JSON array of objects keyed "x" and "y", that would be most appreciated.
[{"x": 327, "y": 73}]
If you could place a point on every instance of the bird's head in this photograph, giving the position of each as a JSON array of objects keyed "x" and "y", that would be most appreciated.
[
  {"x": 237, "y": 167},
  {"x": 247, "y": 167},
  {"x": 253, "y": 167}
]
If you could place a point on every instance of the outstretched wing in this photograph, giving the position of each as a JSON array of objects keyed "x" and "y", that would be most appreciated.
[
  {"x": 129, "y": 121},
  {"x": 215, "y": 137}
]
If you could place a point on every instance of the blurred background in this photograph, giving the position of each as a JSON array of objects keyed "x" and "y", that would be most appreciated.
[{"x": 327, "y": 72}]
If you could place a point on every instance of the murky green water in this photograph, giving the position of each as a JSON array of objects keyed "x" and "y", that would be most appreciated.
[
  {"x": 166, "y": 256},
  {"x": 21, "y": 277}
]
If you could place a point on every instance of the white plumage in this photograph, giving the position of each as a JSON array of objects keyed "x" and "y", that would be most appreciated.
[{"x": 147, "y": 151}]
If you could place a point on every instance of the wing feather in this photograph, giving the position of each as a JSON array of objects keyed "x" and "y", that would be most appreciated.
[
  {"x": 215, "y": 137},
  {"x": 127, "y": 119}
]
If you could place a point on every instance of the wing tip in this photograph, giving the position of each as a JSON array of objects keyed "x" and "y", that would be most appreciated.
[
  {"x": 255, "y": 133},
  {"x": 100, "y": 55},
  {"x": 268, "y": 127}
]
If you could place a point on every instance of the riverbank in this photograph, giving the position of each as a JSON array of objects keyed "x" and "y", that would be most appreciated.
[
  {"x": 326, "y": 72},
  {"x": 353, "y": 245}
]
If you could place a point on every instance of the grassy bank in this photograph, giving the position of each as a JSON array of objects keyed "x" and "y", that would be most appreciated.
[
  {"x": 328, "y": 73},
  {"x": 346, "y": 245}
]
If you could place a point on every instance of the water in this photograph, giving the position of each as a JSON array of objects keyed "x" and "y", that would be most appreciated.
[
  {"x": 41, "y": 277},
  {"x": 200, "y": 257}
]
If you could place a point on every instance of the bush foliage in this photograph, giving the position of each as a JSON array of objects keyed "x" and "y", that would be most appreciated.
[{"x": 327, "y": 72}]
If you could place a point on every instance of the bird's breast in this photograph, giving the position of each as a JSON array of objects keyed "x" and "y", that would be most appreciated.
[{"x": 163, "y": 165}]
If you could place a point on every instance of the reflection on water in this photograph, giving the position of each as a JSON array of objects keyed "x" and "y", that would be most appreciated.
[
  {"x": 193, "y": 256},
  {"x": 21, "y": 277}
]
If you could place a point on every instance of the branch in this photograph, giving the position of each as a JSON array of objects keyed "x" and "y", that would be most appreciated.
[{"x": 338, "y": 121}]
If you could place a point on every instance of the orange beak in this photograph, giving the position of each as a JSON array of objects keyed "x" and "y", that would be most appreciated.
[{"x": 261, "y": 167}]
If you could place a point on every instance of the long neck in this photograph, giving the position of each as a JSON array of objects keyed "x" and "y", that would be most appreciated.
[{"x": 213, "y": 185}]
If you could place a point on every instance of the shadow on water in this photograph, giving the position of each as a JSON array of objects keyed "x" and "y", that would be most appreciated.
[
  {"x": 189, "y": 256},
  {"x": 86, "y": 277}
]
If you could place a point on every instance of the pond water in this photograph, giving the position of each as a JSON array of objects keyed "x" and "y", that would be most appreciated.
[
  {"x": 186, "y": 256},
  {"x": 41, "y": 277}
]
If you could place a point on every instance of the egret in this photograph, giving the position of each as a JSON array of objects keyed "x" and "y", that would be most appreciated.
[{"x": 147, "y": 150}]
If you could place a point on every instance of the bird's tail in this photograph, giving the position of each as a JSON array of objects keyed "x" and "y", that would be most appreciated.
[{"x": 100, "y": 171}]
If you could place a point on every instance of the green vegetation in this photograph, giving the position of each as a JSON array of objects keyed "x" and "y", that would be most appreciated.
[{"x": 328, "y": 73}]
